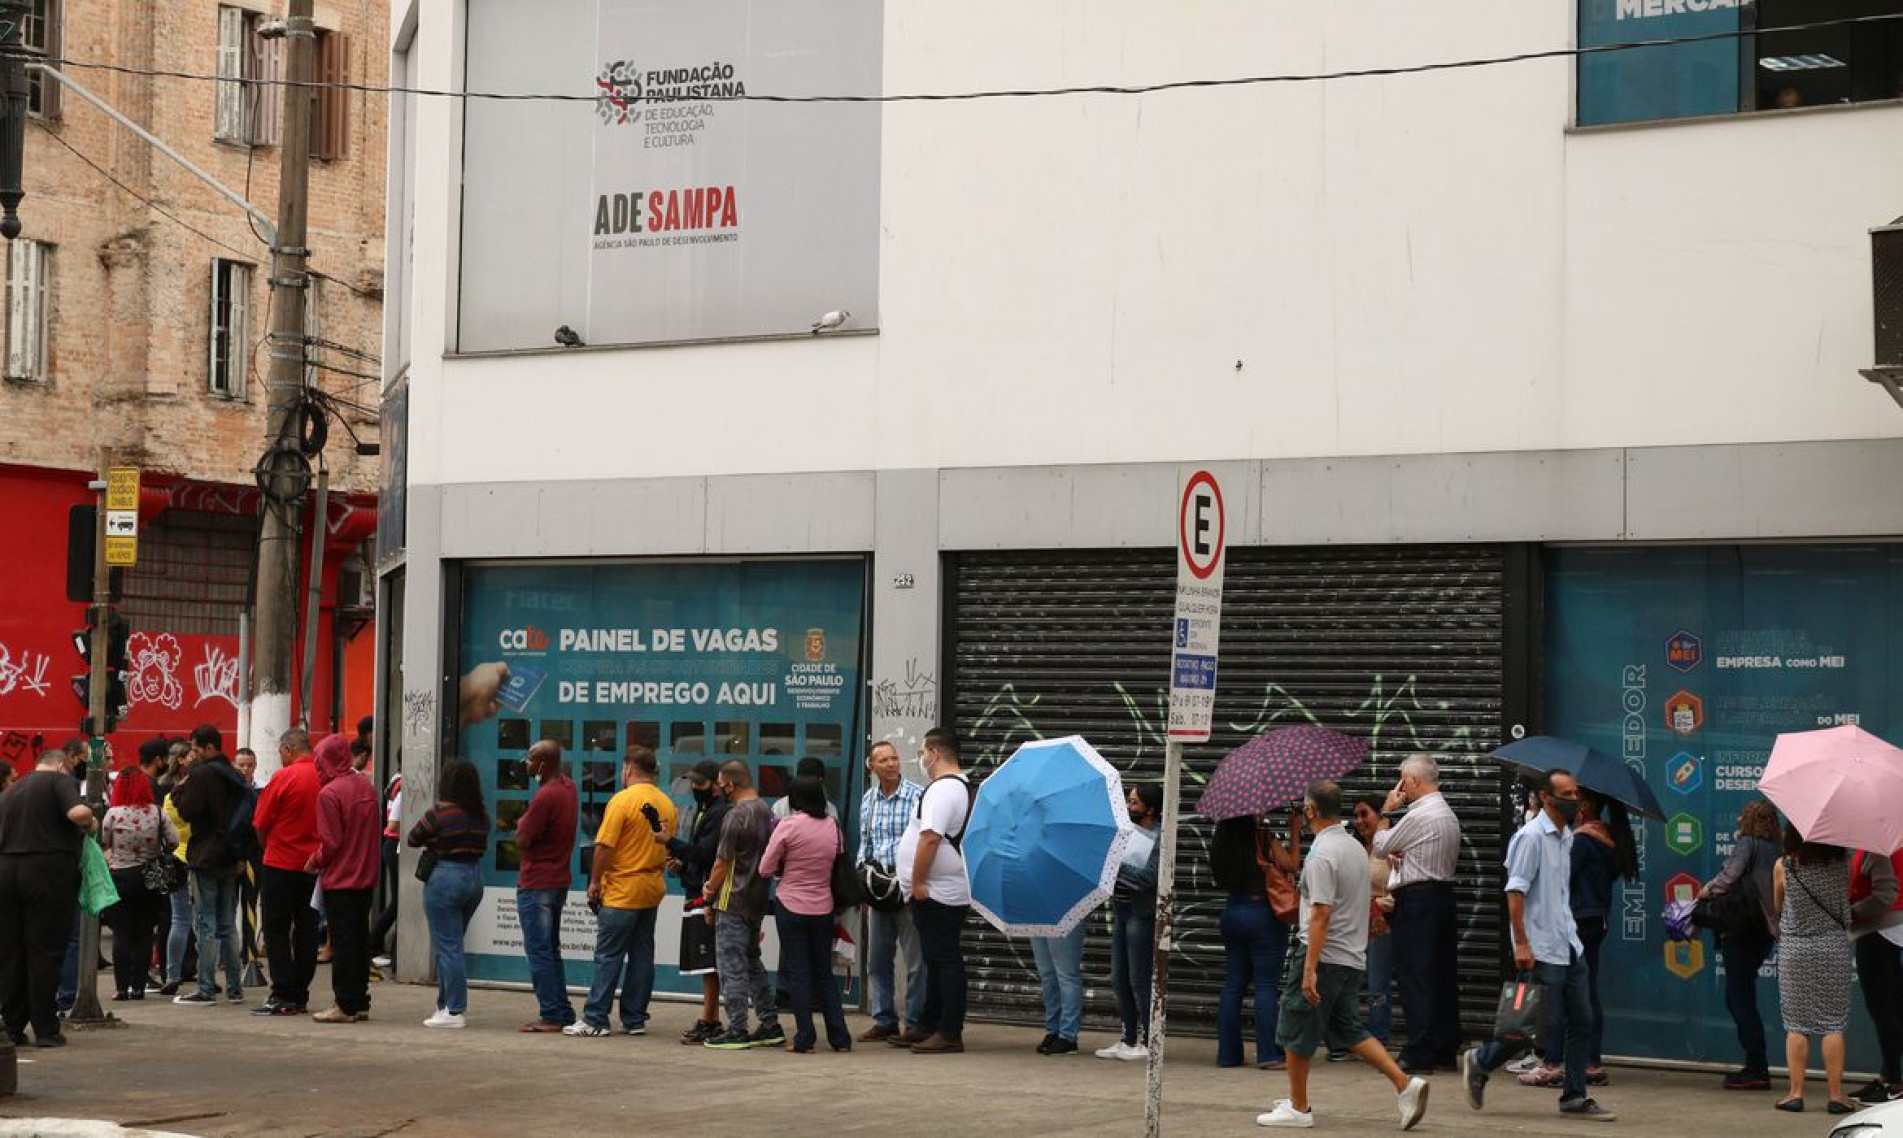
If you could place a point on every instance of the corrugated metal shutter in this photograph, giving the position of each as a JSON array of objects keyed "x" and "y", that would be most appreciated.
[{"x": 1404, "y": 645}]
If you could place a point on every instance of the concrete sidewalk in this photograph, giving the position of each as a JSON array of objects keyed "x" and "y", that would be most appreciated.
[{"x": 222, "y": 1071}]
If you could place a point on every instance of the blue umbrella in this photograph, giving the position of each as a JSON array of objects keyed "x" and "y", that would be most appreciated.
[
  {"x": 1046, "y": 834},
  {"x": 1595, "y": 770}
]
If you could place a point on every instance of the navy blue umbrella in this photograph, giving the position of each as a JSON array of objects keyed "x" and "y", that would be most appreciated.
[{"x": 1594, "y": 770}]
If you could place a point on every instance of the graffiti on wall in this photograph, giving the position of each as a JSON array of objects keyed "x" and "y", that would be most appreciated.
[
  {"x": 152, "y": 670},
  {"x": 22, "y": 670},
  {"x": 216, "y": 676}
]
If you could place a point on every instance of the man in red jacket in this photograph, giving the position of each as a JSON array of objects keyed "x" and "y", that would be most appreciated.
[
  {"x": 349, "y": 824},
  {"x": 545, "y": 837},
  {"x": 286, "y": 821}
]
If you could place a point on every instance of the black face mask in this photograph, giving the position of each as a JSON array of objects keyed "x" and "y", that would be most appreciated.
[
  {"x": 1567, "y": 808},
  {"x": 704, "y": 795}
]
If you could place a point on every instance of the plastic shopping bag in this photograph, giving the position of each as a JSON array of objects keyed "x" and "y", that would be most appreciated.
[
  {"x": 96, "y": 891},
  {"x": 1520, "y": 1021}
]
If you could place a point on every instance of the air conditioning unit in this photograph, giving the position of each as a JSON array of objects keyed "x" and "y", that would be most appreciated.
[{"x": 1886, "y": 303}]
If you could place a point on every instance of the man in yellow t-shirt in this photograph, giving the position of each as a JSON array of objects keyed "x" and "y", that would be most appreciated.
[{"x": 625, "y": 887}]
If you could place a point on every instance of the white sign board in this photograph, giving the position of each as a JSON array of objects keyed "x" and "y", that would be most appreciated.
[
  {"x": 122, "y": 523},
  {"x": 1200, "y": 534}
]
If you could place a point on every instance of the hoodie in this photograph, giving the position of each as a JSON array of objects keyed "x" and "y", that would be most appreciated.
[
  {"x": 205, "y": 801},
  {"x": 349, "y": 821},
  {"x": 286, "y": 818}
]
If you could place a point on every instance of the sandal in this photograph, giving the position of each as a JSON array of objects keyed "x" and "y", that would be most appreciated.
[
  {"x": 1793, "y": 1105},
  {"x": 1839, "y": 1106},
  {"x": 541, "y": 1027},
  {"x": 1273, "y": 1065}
]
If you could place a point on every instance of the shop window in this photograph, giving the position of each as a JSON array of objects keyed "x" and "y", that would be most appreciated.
[
  {"x": 249, "y": 100},
  {"x": 734, "y": 738},
  {"x": 512, "y": 774},
  {"x": 778, "y": 738},
  {"x": 687, "y": 738},
  {"x": 230, "y": 327},
  {"x": 512, "y": 734},
  {"x": 28, "y": 309},
  {"x": 825, "y": 740},
  {"x": 40, "y": 36},
  {"x": 561, "y": 732},
  {"x": 645, "y": 733},
  {"x": 1763, "y": 69},
  {"x": 599, "y": 735}
]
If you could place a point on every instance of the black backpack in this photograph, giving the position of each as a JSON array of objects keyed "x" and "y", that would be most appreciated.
[
  {"x": 241, "y": 838},
  {"x": 1735, "y": 912},
  {"x": 956, "y": 841}
]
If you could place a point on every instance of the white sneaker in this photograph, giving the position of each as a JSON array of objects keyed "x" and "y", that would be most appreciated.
[
  {"x": 1286, "y": 1117},
  {"x": 1114, "y": 1051},
  {"x": 1134, "y": 1053},
  {"x": 1413, "y": 1102},
  {"x": 380, "y": 961},
  {"x": 1524, "y": 1063},
  {"x": 444, "y": 1019}
]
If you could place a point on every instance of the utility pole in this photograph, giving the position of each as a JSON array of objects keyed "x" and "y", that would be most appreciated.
[
  {"x": 86, "y": 1007},
  {"x": 284, "y": 472}
]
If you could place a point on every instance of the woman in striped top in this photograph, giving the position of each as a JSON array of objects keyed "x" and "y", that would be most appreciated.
[{"x": 456, "y": 831}]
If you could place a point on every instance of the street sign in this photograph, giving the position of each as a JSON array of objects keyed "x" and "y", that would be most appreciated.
[
  {"x": 1201, "y": 531},
  {"x": 122, "y": 523},
  {"x": 122, "y": 551},
  {"x": 122, "y": 488}
]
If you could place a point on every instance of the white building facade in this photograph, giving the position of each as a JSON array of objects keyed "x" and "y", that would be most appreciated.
[{"x": 1532, "y": 387}]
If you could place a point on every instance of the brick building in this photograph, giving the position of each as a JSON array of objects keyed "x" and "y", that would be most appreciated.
[{"x": 137, "y": 304}]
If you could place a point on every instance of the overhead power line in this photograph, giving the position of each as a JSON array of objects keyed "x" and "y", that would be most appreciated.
[
  {"x": 136, "y": 195},
  {"x": 1020, "y": 93}
]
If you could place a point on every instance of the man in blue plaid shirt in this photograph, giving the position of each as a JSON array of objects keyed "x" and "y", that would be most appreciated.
[{"x": 884, "y": 812}]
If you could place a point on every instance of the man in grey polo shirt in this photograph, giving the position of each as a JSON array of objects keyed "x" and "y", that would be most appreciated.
[{"x": 1326, "y": 1003}]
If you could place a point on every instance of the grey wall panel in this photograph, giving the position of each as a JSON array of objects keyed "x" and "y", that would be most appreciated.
[
  {"x": 1527, "y": 496},
  {"x": 1816, "y": 489},
  {"x": 904, "y": 682},
  {"x": 790, "y": 513}
]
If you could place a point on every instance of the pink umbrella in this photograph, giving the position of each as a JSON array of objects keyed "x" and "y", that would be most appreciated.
[{"x": 1841, "y": 786}]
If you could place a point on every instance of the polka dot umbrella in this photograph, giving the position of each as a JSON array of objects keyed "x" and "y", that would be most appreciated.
[{"x": 1273, "y": 770}]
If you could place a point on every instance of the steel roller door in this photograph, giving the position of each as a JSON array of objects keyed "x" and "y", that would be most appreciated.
[{"x": 1404, "y": 645}]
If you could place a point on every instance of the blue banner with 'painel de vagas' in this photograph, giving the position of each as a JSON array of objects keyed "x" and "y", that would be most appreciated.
[
  {"x": 1662, "y": 82},
  {"x": 754, "y": 661},
  {"x": 1688, "y": 662}
]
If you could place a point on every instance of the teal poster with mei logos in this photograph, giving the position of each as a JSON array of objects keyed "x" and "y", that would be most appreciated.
[
  {"x": 756, "y": 661},
  {"x": 1687, "y": 662}
]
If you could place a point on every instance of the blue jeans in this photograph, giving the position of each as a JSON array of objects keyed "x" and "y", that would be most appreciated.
[
  {"x": 1592, "y": 934},
  {"x": 1566, "y": 991},
  {"x": 890, "y": 936},
  {"x": 1253, "y": 945},
  {"x": 1132, "y": 955},
  {"x": 179, "y": 936},
  {"x": 1060, "y": 967},
  {"x": 1381, "y": 987},
  {"x": 450, "y": 899},
  {"x": 68, "y": 993},
  {"x": 624, "y": 939},
  {"x": 806, "y": 964},
  {"x": 215, "y": 913},
  {"x": 540, "y": 912},
  {"x": 1743, "y": 956}
]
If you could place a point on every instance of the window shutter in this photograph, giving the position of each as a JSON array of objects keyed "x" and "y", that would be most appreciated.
[
  {"x": 231, "y": 93},
  {"x": 212, "y": 378},
  {"x": 330, "y": 108},
  {"x": 267, "y": 97},
  {"x": 240, "y": 337},
  {"x": 46, "y": 92},
  {"x": 18, "y": 309},
  {"x": 38, "y": 291}
]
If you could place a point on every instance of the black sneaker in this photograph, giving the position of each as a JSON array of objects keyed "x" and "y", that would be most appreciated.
[
  {"x": 1748, "y": 1080},
  {"x": 169, "y": 988},
  {"x": 1339, "y": 1055},
  {"x": 767, "y": 1035},
  {"x": 195, "y": 1000},
  {"x": 1586, "y": 1108},
  {"x": 49, "y": 1040},
  {"x": 1474, "y": 1078},
  {"x": 729, "y": 1040},
  {"x": 1044, "y": 1045},
  {"x": 235, "y": 995},
  {"x": 18, "y": 1037},
  {"x": 701, "y": 1032},
  {"x": 1875, "y": 1093},
  {"x": 1061, "y": 1046}
]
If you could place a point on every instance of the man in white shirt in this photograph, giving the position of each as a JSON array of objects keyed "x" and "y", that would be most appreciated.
[
  {"x": 1424, "y": 848},
  {"x": 931, "y": 861}
]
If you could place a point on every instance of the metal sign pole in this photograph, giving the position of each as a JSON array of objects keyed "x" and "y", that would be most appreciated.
[{"x": 1160, "y": 976}]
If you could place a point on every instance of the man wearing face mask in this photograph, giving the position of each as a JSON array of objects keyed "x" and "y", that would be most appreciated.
[
  {"x": 689, "y": 859},
  {"x": 1424, "y": 849},
  {"x": 1546, "y": 943},
  {"x": 545, "y": 838},
  {"x": 1321, "y": 994},
  {"x": 931, "y": 861}
]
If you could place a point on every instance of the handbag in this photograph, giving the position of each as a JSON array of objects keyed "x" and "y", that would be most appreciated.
[
  {"x": 845, "y": 883},
  {"x": 1520, "y": 1019},
  {"x": 426, "y": 865},
  {"x": 160, "y": 875},
  {"x": 880, "y": 887},
  {"x": 1734, "y": 912},
  {"x": 1283, "y": 901}
]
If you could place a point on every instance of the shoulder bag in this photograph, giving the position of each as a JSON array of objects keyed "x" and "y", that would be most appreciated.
[{"x": 1283, "y": 901}]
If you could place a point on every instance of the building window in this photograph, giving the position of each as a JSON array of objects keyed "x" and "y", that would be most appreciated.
[
  {"x": 28, "y": 283},
  {"x": 330, "y": 128},
  {"x": 40, "y": 35},
  {"x": 249, "y": 99},
  {"x": 1767, "y": 67},
  {"x": 230, "y": 327}
]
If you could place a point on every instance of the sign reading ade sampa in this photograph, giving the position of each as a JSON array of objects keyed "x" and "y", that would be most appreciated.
[{"x": 717, "y": 217}]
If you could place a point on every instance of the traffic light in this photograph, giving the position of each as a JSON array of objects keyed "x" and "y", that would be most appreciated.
[
  {"x": 118, "y": 639},
  {"x": 82, "y": 536}
]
